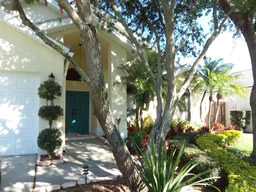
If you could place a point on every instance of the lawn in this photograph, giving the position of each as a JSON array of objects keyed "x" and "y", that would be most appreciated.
[{"x": 244, "y": 145}]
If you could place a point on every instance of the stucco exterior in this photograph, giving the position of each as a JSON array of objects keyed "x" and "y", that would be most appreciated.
[{"x": 22, "y": 54}]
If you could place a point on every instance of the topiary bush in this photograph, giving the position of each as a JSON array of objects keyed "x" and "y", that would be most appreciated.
[
  {"x": 241, "y": 176},
  {"x": 240, "y": 119},
  {"x": 50, "y": 113},
  {"x": 49, "y": 90},
  {"x": 49, "y": 140}
]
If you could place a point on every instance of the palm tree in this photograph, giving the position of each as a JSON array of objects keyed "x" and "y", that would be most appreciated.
[
  {"x": 140, "y": 84},
  {"x": 215, "y": 76},
  {"x": 205, "y": 80},
  {"x": 227, "y": 85}
]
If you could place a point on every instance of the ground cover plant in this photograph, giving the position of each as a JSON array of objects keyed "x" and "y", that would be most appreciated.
[{"x": 241, "y": 176}]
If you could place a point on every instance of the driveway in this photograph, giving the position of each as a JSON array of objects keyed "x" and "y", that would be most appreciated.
[{"x": 18, "y": 171}]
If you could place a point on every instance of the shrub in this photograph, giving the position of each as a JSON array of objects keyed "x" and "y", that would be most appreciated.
[
  {"x": 218, "y": 127},
  {"x": 158, "y": 170},
  {"x": 49, "y": 140},
  {"x": 189, "y": 137},
  {"x": 134, "y": 136},
  {"x": 51, "y": 112},
  {"x": 240, "y": 119},
  {"x": 241, "y": 176},
  {"x": 192, "y": 152},
  {"x": 49, "y": 90},
  {"x": 230, "y": 127},
  {"x": 148, "y": 124}
]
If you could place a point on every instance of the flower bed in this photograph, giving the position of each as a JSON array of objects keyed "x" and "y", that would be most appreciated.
[{"x": 241, "y": 176}]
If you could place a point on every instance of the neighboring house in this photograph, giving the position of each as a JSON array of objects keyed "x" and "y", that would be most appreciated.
[
  {"x": 26, "y": 61},
  {"x": 228, "y": 103}
]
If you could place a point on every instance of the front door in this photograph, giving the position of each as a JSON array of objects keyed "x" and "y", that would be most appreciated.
[{"x": 77, "y": 112}]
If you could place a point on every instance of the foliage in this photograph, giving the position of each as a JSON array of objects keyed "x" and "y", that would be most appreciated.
[
  {"x": 50, "y": 113},
  {"x": 189, "y": 137},
  {"x": 49, "y": 140},
  {"x": 218, "y": 127},
  {"x": 241, "y": 176},
  {"x": 134, "y": 136},
  {"x": 192, "y": 152},
  {"x": 240, "y": 119},
  {"x": 148, "y": 124},
  {"x": 158, "y": 170},
  {"x": 49, "y": 90}
]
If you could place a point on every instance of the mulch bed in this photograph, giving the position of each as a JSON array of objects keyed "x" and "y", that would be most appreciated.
[
  {"x": 116, "y": 185},
  {"x": 47, "y": 157}
]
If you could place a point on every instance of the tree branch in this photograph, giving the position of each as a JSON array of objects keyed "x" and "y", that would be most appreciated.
[
  {"x": 47, "y": 40},
  {"x": 168, "y": 11},
  {"x": 193, "y": 70},
  {"x": 136, "y": 43},
  {"x": 214, "y": 12}
]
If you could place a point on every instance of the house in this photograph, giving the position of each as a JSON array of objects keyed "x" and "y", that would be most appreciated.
[
  {"x": 26, "y": 61},
  {"x": 227, "y": 103}
]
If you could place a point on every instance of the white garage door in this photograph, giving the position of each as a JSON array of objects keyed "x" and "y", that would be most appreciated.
[{"x": 18, "y": 113}]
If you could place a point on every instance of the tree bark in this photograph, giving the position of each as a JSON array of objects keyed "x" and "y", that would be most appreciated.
[
  {"x": 102, "y": 109},
  {"x": 244, "y": 22},
  {"x": 217, "y": 108},
  {"x": 210, "y": 111},
  {"x": 189, "y": 105},
  {"x": 201, "y": 103},
  {"x": 96, "y": 84}
]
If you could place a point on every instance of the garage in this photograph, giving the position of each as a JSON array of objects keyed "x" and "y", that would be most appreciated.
[{"x": 19, "y": 104}]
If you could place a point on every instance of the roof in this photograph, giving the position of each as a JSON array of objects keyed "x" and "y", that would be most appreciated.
[{"x": 12, "y": 20}]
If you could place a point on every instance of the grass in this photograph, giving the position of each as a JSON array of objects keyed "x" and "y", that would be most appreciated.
[
  {"x": 243, "y": 149},
  {"x": 244, "y": 145}
]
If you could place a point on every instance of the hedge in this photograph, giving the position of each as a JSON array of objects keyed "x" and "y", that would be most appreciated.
[
  {"x": 241, "y": 176},
  {"x": 192, "y": 152}
]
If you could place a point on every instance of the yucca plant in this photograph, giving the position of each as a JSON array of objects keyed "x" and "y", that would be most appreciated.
[{"x": 159, "y": 170}]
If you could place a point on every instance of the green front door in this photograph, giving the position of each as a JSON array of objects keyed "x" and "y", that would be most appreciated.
[{"x": 77, "y": 112}]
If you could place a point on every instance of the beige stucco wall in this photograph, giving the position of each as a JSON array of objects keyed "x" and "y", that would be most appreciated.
[
  {"x": 19, "y": 53},
  {"x": 116, "y": 89}
]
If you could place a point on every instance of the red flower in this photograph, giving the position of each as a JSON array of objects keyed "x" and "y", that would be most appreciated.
[
  {"x": 145, "y": 142},
  {"x": 218, "y": 127},
  {"x": 180, "y": 128},
  {"x": 205, "y": 128},
  {"x": 230, "y": 127},
  {"x": 131, "y": 128}
]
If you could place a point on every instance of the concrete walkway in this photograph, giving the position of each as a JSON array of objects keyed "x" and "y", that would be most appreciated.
[
  {"x": 91, "y": 152},
  {"x": 18, "y": 171}
]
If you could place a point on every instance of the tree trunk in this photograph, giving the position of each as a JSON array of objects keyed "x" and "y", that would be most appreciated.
[
  {"x": 137, "y": 117},
  {"x": 217, "y": 108},
  {"x": 250, "y": 37},
  {"x": 201, "y": 103},
  {"x": 210, "y": 111},
  {"x": 244, "y": 22},
  {"x": 189, "y": 105},
  {"x": 101, "y": 109},
  {"x": 141, "y": 119}
]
